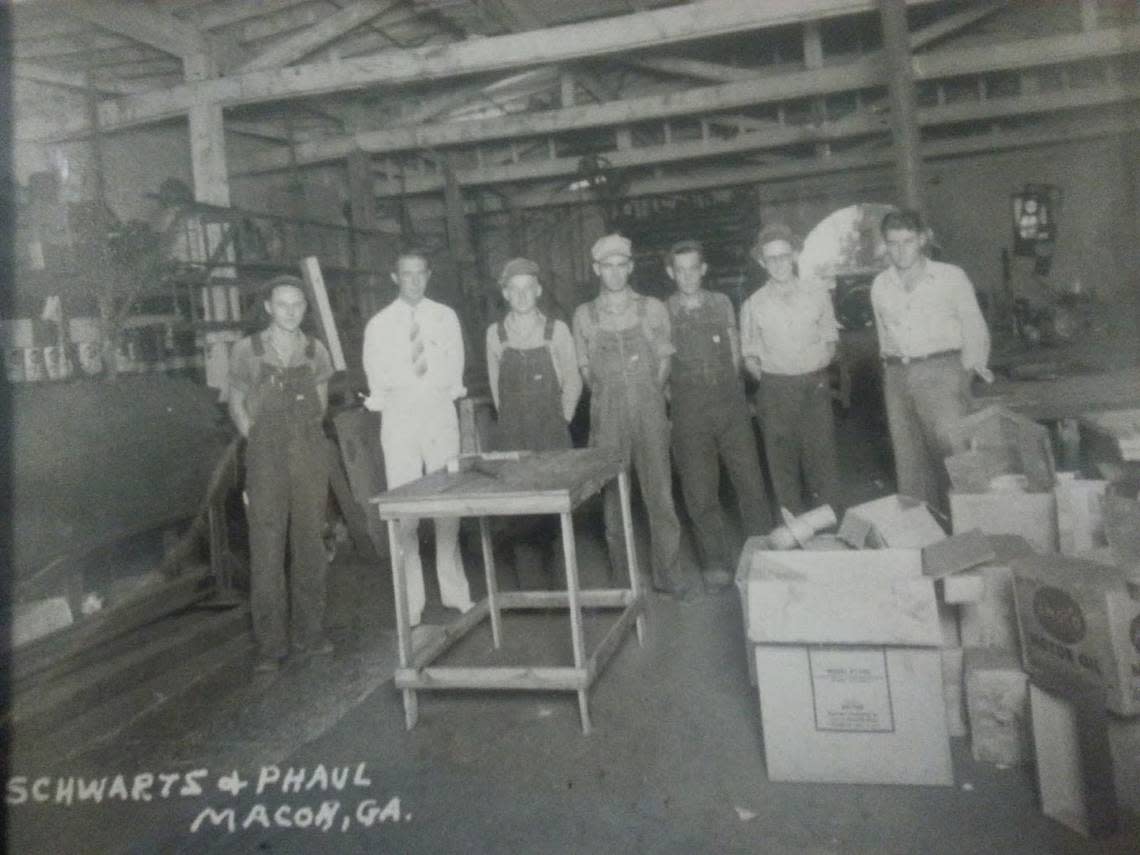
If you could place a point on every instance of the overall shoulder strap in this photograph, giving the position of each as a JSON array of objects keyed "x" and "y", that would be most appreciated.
[
  {"x": 548, "y": 330},
  {"x": 258, "y": 345},
  {"x": 502, "y": 325},
  {"x": 310, "y": 347},
  {"x": 594, "y": 312}
]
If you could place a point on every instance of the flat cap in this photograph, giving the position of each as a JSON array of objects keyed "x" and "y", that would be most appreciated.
[
  {"x": 610, "y": 245},
  {"x": 518, "y": 267}
]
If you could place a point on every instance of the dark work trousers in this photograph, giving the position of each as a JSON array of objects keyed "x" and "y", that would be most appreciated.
[
  {"x": 530, "y": 418},
  {"x": 627, "y": 412},
  {"x": 711, "y": 423},
  {"x": 799, "y": 439},
  {"x": 287, "y": 484},
  {"x": 925, "y": 402}
]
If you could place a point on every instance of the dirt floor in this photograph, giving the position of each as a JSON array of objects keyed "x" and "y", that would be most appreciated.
[{"x": 316, "y": 759}]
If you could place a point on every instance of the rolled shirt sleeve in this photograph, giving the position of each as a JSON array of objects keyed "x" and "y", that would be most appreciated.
[
  {"x": 322, "y": 362},
  {"x": 241, "y": 366},
  {"x": 566, "y": 361},
  {"x": 372, "y": 356},
  {"x": 583, "y": 334},
  {"x": 453, "y": 354},
  {"x": 975, "y": 333},
  {"x": 659, "y": 329},
  {"x": 494, "y": 357}
]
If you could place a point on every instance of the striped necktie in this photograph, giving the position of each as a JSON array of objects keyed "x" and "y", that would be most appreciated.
[{"x": 419, "y": 362}]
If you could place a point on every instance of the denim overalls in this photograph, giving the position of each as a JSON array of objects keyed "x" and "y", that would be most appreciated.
[
  {"x": 711, "y": 422},
  {"x": 287, "y": 484},
  {"x": 627, "y": 411}
]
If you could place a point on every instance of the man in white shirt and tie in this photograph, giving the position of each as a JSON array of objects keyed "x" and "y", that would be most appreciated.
[
  {"x": 413, "y": 358},
  {"x": 932, "y": 339}
]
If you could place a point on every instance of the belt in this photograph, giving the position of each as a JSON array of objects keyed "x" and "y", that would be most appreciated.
[{"x": 907, "y": 360}]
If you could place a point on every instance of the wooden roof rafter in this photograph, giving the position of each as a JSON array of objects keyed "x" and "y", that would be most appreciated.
[{"x": 500, "y": 53}]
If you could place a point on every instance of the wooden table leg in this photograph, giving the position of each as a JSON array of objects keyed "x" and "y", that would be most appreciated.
[
  {"x": 631, "y": 549},
  {"x": 492, "y": 582},
  {"x": 403, "y": 630},
  {"x": 570, "y": 550}
]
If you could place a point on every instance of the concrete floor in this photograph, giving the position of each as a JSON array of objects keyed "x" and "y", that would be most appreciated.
[{"x": 675, "y": 762}]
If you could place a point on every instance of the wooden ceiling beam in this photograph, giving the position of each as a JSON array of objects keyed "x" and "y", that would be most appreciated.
[
  {"x": 236, "y": 11},
  {"x": 860, "y": 74},
  {"x": 675, "y": 24},
  {"x": 310, "y": 40},
  {"x": 776, "y": 137},
  {"x": 953, "y": 23},
  {"x": 707, "y": 179},
  {"x": 74, "y": 79}
]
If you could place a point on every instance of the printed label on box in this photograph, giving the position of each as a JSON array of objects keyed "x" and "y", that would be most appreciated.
[{"x": 851, "y": 690}]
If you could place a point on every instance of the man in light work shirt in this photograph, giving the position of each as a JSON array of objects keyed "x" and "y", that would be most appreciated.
[
  {"x": 624, "y": 349},
  {"x": 711, "y": 421},
  {"x": 788, "y": 336},
  {"x": 413, "y": 358},
  {"x": 932, "y": 339}
]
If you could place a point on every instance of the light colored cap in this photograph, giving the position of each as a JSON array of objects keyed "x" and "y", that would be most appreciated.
[
  {"x": 518, "y": 267},
  {"x": 610, "y": 245}
]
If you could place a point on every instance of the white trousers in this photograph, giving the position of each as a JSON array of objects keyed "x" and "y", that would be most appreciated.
[{"x": 418, "y": 435}]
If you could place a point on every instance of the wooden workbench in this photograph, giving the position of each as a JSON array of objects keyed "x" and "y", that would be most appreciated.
[{"x": 554, "y": 482}]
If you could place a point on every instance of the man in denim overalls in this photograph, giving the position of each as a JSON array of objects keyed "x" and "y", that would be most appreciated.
[
  {"x": 533, "y": 373},
  {"x": 278, "y": 394},
  {"x": 623, "y": 342},
  {"x": 711, "y": 421}
]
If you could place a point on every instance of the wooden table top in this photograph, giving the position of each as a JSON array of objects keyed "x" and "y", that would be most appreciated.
[
  {"x": 539, "y": 483},
  {"x": 1066, "y": 397}
]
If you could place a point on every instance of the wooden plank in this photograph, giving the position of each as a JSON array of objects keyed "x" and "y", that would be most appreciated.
[
  {"x": 315, "y": 281},
  {"x": 951, "y": 24},
  {"x": 154, "y": 603},
  {"x": 223, "y": 14},
  {"x": 505, "y": 678},
  {"x": 330, "y": 28},
  {"x": 447, "y": 636},
  {"x": 74, "y": 79},
  {"x": 40, "y": 708},
  {"x": 593, "y": 598},
  {"x": 613, "y": 638},
  {"x": 607, "y": 36},
  {"x": 100, "y": 725}
]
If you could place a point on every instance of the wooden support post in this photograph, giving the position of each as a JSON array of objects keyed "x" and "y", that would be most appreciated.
[
  {"x": 904, "y": 120},
  {"x": 366, "y": 255},
  {"x": 315, "y": 282},
  {"x": 208, "y": 154},
  {"x": 567, "y": 86},
  {"x": 813, "y": 58}
]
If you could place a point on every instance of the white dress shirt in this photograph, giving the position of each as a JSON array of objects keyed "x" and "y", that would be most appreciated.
[
  {"x": 387, "y": 353},
  {"x": 940, "y": 313},
  {"x": 790, "y": 328}
]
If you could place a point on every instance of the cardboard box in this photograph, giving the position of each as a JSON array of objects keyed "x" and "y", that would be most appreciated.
[
  {"x": 1079, "y": 622},
  {"x": 997, "y": 704},
  {"x": 1080, "y": 514},
  {"x": 1032, "y": 516},
  {"x": 983, "y": 597},
  {"x": 849, "y": 670},
  {"x": 1021, "y": 445},
  {"x": 1088, "y": 762},
  {"x": 892, "y": 522}
]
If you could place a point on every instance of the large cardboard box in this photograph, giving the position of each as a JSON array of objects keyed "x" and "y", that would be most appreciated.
[
  {"x": 849, "y": 670},
  {"x": 1033, "y": 516},
  {"x": 1080, "y": 622}
]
